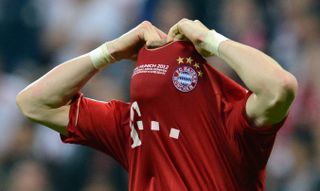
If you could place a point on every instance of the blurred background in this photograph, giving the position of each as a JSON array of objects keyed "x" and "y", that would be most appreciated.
[{"x": 36, "y": 35}]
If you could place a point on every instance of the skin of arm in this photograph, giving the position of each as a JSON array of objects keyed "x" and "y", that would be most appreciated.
[
  {"x": 46, "y": 101},
  {"x": 273, "y": 88}
]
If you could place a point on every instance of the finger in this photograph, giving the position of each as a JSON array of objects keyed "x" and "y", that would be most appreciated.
[
  {"x": 146, "y": 32},
  {"x": 193, "y": 30},
  {"x": 181, "y": 37},
  {"x": 178, "y": 29},
  {"x": 174, "y": 30},
  {"x": 199, "y": 23},
  {"x": 152, "y": 35},
  {"x": 157, "y": 43}
]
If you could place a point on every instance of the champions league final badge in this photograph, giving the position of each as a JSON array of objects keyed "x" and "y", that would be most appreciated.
[{"x": 185, "y": 77}]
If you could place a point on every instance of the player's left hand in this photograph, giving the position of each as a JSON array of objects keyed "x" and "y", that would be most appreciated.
[{"x": 194, "y": 31}]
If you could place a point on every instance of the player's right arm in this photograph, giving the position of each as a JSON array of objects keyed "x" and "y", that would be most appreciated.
[
  {"x": 273, "y": 88},
  {"x": 47, "y": 100}
]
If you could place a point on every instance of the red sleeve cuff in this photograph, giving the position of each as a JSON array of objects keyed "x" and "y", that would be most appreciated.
[{"x": 73, "y": 119}]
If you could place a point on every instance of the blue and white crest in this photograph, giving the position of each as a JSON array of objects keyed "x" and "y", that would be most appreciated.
[{"x": 185, "y": 78}]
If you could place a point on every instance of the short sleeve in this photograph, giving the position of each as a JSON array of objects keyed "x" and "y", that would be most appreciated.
[
  {"x": 253, "y": 142},
  {"x": 100, "y": 125}
]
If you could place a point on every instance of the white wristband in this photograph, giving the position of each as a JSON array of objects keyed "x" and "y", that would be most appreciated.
[
  {"x": 100, "y": 57},
  {"x": 213, "y": 41}
]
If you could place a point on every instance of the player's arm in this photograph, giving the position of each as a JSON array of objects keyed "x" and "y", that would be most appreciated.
[
  {"x": 273, "y": 88},
  {"x": 46, "y": 100}
]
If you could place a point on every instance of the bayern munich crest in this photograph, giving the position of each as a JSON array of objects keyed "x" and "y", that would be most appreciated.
[{"x": 185, "y": 78}]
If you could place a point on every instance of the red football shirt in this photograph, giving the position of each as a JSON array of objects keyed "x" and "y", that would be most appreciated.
[{"x": 184, "y": 129}]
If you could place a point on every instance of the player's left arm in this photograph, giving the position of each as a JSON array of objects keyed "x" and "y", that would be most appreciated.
[{"x": 274, "y": 88}]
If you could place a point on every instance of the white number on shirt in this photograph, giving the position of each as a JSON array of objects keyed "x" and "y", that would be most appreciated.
[{"x": 134, "y": 134}]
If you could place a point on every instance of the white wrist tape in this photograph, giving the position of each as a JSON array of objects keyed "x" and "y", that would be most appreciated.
[
  {"x": 213, "y": 41},
  {"x": 100, "y": 57}
]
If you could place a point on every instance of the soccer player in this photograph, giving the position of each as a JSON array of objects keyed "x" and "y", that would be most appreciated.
[{"x": 187, "y": 126}]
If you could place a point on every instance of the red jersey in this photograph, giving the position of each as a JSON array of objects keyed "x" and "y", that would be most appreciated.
[{"x": 185, "y": 127}]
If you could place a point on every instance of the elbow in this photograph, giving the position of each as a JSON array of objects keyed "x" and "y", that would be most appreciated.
[
  {"x": 287, "y": 88},
  {"x": 290, "y": 85},
  {"x": 21, "y": 101},
  {"x": 26, "y": 105}
]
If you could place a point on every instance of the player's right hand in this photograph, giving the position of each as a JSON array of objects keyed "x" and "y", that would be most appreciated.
[
  {"x": 194, "y": 31},
  {"x": 128, "y": 45}
]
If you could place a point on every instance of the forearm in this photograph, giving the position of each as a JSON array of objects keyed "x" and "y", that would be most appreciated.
[
  {"x": 260, "y": 73},
  {"x": 59, "y": 85}
]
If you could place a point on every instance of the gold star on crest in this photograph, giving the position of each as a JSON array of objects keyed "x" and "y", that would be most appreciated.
[
  {"x": 189, "y": 60},
  {"x": 196, "y": 65},
  {"x": 180, "y": 60},
  {"x": 200, "y": 73}
]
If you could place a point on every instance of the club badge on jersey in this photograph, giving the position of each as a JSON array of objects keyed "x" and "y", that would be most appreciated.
[{"x": 185, "y": 77}]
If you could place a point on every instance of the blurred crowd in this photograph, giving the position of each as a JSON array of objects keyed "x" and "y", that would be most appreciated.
[{"x": 36, "y": 35}]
